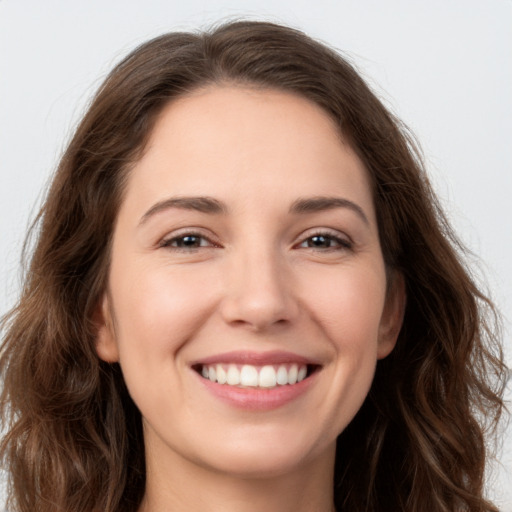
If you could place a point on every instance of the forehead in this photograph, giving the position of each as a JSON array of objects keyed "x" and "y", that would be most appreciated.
[{"x": 229, "y": 140}]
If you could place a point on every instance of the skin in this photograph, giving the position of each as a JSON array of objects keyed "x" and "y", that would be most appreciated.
[{"x": 255, "y": 281}]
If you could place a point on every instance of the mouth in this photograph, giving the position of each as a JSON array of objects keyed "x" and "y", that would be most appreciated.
[
  {"x": 243, "y": 371},
  {"x": 254, "y": 381}
]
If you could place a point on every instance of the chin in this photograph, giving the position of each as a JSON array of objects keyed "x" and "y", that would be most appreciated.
[
  {"x": 265, "y": 456},
  {"x": 259, "y": 465}
]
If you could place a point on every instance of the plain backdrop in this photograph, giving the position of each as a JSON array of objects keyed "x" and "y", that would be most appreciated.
[{"x": 443, "y": 66}]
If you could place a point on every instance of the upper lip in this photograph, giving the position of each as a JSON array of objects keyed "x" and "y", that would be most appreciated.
[{"x": 256, "y": 358}]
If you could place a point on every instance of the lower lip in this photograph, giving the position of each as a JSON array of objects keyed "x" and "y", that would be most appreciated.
[{"x": 258, "y": 399}]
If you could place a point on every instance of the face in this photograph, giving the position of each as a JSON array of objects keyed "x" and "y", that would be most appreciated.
[{"x": 247, "y": 300}]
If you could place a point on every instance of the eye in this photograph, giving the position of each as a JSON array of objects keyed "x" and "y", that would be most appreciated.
[
  {"x": 326, "y": 241},
  {"x": 187, "y": 241}
]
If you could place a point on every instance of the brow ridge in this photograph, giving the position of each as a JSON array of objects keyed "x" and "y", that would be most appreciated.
[
  {"x": 322, "y": 203},
  {"x": 203, "y": 204}
]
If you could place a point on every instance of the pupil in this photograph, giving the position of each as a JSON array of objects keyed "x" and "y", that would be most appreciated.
[
  {"x": 319, "y": 241},
  {"x": 189, "y": 241}
]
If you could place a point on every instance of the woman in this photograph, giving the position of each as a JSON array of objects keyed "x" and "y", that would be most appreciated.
[{"x": 244, "y": 296}]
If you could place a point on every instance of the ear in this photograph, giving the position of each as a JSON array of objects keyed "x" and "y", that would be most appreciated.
[
  {"x": 106, "y": 343},
  {"x": 392, "y": 316}
]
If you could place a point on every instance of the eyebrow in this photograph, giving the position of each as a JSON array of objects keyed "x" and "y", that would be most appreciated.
[
  {"x": 201, "y": 204},
  {"x": 205, "y": 204},
  {"x": 321, "y": 203}
]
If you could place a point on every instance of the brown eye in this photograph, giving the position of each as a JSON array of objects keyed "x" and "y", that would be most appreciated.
[
  {"x": 320, "y": 242},
  {"x": 325, "y": 241},
  {"x": 186, "y": 241}
]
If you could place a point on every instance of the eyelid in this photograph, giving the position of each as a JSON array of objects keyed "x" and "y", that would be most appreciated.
[
  {"x": 165, "y": 241},
  {"x": 346, "y": 243}
]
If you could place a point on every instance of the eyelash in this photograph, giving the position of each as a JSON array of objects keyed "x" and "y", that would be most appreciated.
[
  {"x": 342, "y": 244},
  {"x": 167, "y": 243}
]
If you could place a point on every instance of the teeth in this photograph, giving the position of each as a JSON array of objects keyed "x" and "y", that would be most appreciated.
[
  {"x": 292, "y": 374},
  {"x": 222, "y": 376},
  {"x": 249, "y": 376},
  {"x": 267, "y": 376},
  {"x": 233, "y": 375},
  {"x": 282, "y": 376}
]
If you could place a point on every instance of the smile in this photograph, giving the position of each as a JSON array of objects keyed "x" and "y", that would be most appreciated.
[
  {"x": 252, "y": 376},
  {"x": 257, "y": 381}
]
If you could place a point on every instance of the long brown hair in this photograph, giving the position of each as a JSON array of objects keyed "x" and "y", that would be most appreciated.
[{"x": 73, "y": 436}]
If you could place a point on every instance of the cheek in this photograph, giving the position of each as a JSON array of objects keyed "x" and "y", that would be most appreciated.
[
  {"x": 156, "y": 313},
  {"x": 348, "y": 308},
  {"x": 348, "y": 305},
  {"x": 159, "y": 309}
]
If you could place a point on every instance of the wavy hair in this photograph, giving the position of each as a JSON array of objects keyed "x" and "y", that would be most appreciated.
[{"x": 73, "y": 437}]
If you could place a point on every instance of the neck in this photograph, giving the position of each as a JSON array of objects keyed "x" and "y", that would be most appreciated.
[{"x": 182, "y": 486}]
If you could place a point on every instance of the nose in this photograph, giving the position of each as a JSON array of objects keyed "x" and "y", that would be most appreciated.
[{"x": 259, "y": 292}]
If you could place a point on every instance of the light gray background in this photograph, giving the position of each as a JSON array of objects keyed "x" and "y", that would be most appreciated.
[{"x": 444, "y": 66}]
